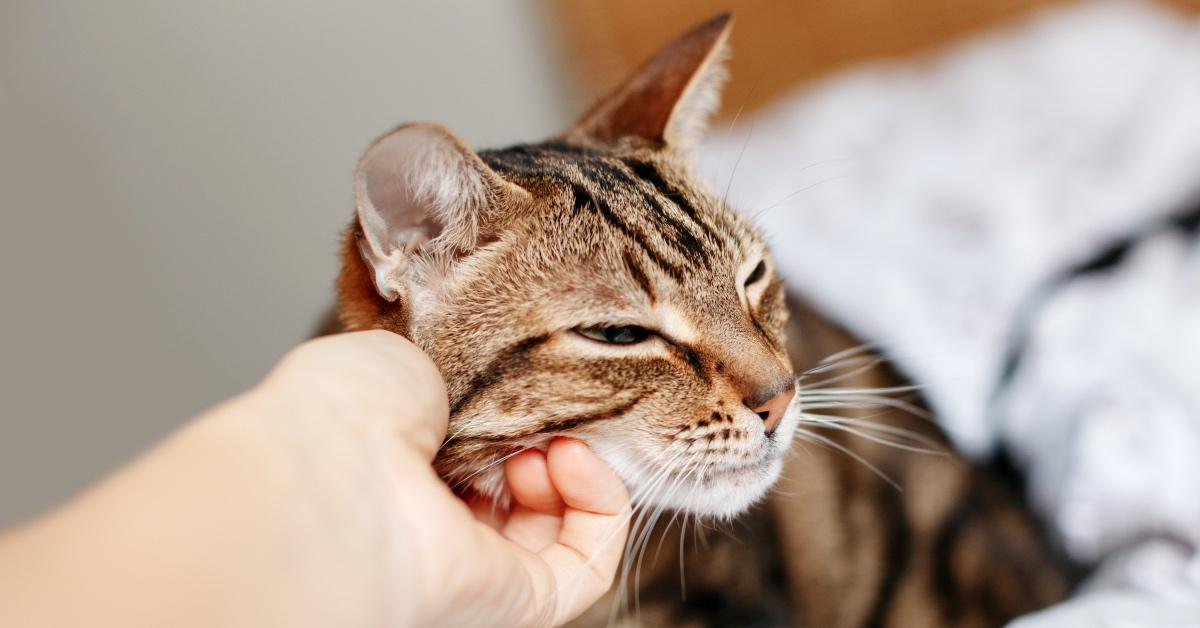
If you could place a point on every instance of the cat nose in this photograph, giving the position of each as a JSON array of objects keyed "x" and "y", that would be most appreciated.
[{"x": 776, "y": 402}]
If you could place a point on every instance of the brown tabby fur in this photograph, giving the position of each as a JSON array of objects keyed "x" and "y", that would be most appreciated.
[{"x": 488, "y": 262}]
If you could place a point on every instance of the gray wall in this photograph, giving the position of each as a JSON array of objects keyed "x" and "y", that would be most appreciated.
[{"x": 173, "y": 177}]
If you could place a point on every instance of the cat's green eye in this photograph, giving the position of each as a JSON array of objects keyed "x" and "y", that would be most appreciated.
[
  {"x": 615, "y": 334},
  {"x": 756, "y": 274}
]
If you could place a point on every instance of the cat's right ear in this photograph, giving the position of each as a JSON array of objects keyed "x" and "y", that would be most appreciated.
[
  {"x": 420, "y": 191},
  {"x": 669, "y": 100}
]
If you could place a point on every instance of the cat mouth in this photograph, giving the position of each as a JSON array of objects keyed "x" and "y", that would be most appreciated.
[{"x": 721, "y": 488}]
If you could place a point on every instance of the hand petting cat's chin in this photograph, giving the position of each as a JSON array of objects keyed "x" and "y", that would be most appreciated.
[{"x": 717, "y": 488}]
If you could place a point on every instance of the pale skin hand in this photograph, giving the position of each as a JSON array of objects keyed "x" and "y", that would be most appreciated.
[{"x": 309, "y": 501}]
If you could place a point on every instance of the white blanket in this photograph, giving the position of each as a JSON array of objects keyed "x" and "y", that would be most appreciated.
[{"x": 925, "y": 204}]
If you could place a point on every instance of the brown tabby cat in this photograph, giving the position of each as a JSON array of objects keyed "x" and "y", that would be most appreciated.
[{"x": 591, "y": 286}]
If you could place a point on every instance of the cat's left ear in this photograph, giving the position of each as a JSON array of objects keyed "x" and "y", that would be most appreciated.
[
  {"x": 669, "y": 100},
  {"x": 420, "y": 192}
]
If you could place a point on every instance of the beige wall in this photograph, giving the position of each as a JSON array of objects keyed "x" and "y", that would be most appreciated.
[{"x": 172, "y": 180}]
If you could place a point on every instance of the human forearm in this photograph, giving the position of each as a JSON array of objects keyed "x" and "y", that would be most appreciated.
[
  {"x": 204, "y": 530},
  {"x": 311, "y": 501}
]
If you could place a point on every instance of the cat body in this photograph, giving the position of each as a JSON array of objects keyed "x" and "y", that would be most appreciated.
[{"x": 590, "y": 286}]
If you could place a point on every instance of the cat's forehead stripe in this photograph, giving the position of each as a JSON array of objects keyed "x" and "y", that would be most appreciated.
[
  {"x": 639, "y": 275},
  {"x": 650, "y": 173},
  {"x": 631, "y": 195},
  {"x": 585, "y": 200},
  {"x": 613, "y": 176}
]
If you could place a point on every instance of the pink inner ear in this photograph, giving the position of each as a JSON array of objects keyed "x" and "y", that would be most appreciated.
[
  {"x": 393, "y": 172},
  {"x": 670, "y": 97},
  {"x": 420, "y": 187}
]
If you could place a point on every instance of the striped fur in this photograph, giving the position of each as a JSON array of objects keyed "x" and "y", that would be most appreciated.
[{"x": 606, "y": 225}]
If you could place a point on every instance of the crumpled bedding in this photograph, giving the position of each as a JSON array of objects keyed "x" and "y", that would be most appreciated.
[{"x": 1009, "y": 220}]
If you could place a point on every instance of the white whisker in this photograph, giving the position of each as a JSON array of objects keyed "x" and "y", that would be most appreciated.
[
  {"x": 907, "y": 436},
  {"x": 639, "y": 500},
  {"x": 838, "y": 425},
  {"x": 819, "y": 439}
]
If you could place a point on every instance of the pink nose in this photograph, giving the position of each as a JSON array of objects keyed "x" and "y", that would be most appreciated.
[{"x": 772, "y": 411}]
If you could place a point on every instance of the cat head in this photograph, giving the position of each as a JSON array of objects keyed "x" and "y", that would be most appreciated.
[{"x": 587, "y": 286}]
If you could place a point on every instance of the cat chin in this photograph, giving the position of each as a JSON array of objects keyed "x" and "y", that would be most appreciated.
[
  {"x": 722, "y": 495},
  {"x": 730, "y": 495}
]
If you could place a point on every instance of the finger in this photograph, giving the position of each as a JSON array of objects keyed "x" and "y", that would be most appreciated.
[
  {"x": 529, "y": 480},
  {"x": 584, "y": 558},
  {"x": 536, "y": 515}
]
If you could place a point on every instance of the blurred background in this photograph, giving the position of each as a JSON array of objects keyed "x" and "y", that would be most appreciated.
[{"x": 174, "y": 177}]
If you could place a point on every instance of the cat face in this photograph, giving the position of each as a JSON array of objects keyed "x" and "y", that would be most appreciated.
[{"x": 586, "y": 286}]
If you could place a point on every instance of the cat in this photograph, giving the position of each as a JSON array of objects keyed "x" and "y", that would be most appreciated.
[{"x": 591, "y": 286}]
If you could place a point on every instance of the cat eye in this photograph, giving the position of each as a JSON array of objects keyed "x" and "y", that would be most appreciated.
[
  {"x": 756, "y": 274},
  {"x": 615, "y": 334}
]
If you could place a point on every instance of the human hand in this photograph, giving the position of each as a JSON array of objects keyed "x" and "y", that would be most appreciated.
[
  {"x": 310, "y": 501},
  {"x": 543, "y": 562}
]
